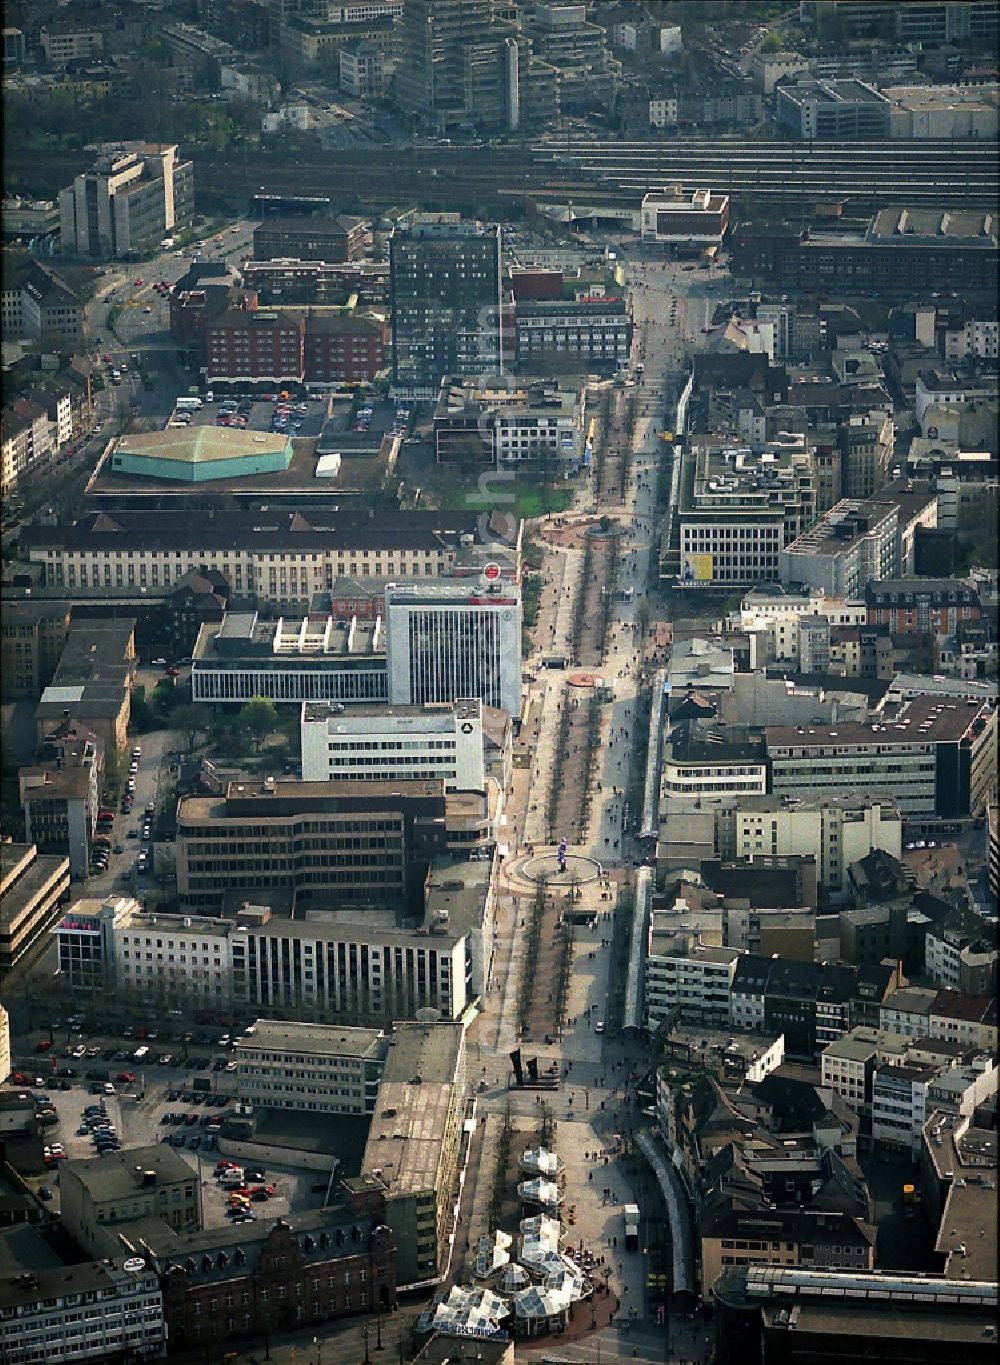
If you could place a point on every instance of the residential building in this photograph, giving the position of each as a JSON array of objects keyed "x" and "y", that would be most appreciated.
[
  {"x": 32, "y": 636},
  {"x": 369, "y": 743},
  {"x": 925, "y": 757},
  {"x": 899, "y": 1105},
  {"x": 414, "y": 1144},
  {"x": 27, "y": 442},
  {"x": 683, "y": 221},
  {"x": 449, "y": 639},
  {"x": 59, "y": 795},
  {"x": 98, "y": 1192},
  {"x": 848, "y": 1064},
  {"x": 446, "y": 300},
  {"x": 281, "y": 559},
  {"x": 40, "y": 307},
  {"x": 831, "y": 110},
  {"x": 737, "y": 510},
  {"x": 923, "y": 606},
  {"x": 961, "y": 1018},
  {"x": 496, "y": 420},
  {"x": 316, "y": 1068},
  {"x": 32, "y": 888},
  {"x": 288, "y": 662},
  {"x": 362, "y": 70},
  {"x": 98, "y": 1310},
  {"x": 813, "y": 1239},
  {"x": 682, "y": 976},
  {"x": 961, "y": 953},
  {"x": 837, "y": 829},
  {"x": 663, "y": 112},
  {"x": 337, "y": 238},
  {"x": 906, "y": 1012},
  {"x": 768, "y": 68},
  {"x": 591, "y": 334},
  {"x": 317, "y": 282},
  {"x": 134, "y": 195}
]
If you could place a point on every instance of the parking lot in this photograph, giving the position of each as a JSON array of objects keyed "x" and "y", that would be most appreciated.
[{"x": 297, "y": 417}]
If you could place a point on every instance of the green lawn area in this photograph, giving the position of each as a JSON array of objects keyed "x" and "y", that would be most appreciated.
[{"x": 523, "y": 497}]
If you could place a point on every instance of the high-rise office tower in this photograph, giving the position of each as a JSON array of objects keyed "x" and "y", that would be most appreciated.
[
  {"x": 447, "y": 640},
  {"x": 445, "y": 286}
]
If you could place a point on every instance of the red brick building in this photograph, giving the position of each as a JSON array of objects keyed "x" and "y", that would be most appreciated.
[
  {"x": 343, "y": 348},
  {"x": 255, "y": 344},
  {"x": 314, "y": 1269},
  {"x": 921, "y": 606}
]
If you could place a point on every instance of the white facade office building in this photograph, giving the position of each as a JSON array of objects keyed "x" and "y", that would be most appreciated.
[
  {"x": 322, "y": 1068},
  {"x": 448, "y": 640},
  {"x": 377, "y": 742}
]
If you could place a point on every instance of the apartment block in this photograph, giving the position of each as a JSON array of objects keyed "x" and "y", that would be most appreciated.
[
  {"x": 255, "y": 344},
  {"x": 961, "y": 953},
  {"x": 27, "y": 442},
  {"x": 922, "y": 606},
  {"x": 925, "y": 757},
  {"x": 33, "y": 885},
  {"x": 315, "y": 1068},
  {"x": 848, "y": 1064},
  {"x": 134, "y": 195},
  {"x": 433, "y": 743},
  {"x": 681, "y": 975},
  {"x": 738, "y": 509}
]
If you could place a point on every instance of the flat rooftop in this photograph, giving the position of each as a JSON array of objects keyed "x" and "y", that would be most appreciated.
[
  {"x": 294, "y": 642},
  {"x": 121, "y": 1174},
  {"x": 921, "y": 720},
  {"x": 325, "y": 1039},
  {"x": 933, "y": 227},
  {"x": 341, "y": 715},
  {"x": 405, "y": 1141}
]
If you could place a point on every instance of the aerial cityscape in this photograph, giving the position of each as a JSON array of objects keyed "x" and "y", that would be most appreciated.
[{"x": 499, "y": 626}]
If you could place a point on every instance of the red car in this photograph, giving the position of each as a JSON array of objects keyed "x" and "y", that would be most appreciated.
[
  {"x": 172, "y": 672},
  {"x": 137, "y": 282},
  {"x": 44, "y": 1045},
  {"x": 126, "y": 1077}
]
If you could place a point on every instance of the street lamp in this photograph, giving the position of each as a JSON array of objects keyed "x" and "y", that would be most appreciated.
[{"x": 366, "y": 1333}]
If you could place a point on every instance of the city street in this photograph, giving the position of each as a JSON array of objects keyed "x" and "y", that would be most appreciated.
[{"x": 593, "y": 1108}]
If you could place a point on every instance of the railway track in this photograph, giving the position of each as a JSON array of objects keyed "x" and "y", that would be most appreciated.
[{"x": 773, "y": 175}]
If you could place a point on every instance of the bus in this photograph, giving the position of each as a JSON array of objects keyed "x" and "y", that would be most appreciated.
[{"x": 188, "y": 404}]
